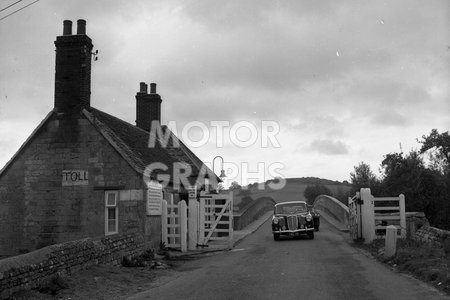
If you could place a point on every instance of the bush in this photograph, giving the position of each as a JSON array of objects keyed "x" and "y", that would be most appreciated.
[{"x": 55, "y": 284}]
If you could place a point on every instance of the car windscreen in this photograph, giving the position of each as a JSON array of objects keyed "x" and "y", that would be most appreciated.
[{"x": 292, "y": 208}]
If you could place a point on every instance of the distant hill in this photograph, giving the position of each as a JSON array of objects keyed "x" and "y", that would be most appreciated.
[{"x": 293, "y": 190}]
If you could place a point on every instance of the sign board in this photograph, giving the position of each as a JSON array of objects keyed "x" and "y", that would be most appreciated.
[
  {"x": 75, "y": 177},
  {"x": 154, "y": 198}
]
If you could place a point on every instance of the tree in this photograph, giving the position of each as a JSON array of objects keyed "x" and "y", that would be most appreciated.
[
  {"x": 425, "y": 189},
  {"x": 363, "y": 177},
  {"x": 312, "y": 191},
  {"x": 402, "y": 174},
  {"x": 235, "y": 186},
  {"x": 440, "y": 143},
  {"x": 343, "y": 196}
]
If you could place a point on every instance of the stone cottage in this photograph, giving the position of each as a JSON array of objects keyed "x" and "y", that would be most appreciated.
[{"x": 85, "y": 173}]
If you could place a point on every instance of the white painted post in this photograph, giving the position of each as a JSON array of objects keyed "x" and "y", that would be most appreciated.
[
  {"x": 231, "y": 225},
  {"x": 368, "y": 216},
  {"x": 391, "y": 241},
  {"x": 201, "y": 218},
  {"x": 164, "y": 222},
  {"x": 401, "y": 204},
  {"x": 192, "y": 219},
  {"x": 206, "y": 185},
  {"x": 182, "y": 210},
  {"x": 171, "y": 220}
]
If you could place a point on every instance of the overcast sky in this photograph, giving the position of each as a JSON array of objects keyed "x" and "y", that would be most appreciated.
[{"x": 346, "y": 81}]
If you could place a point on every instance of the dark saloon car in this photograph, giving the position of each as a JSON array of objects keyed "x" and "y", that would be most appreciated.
[{"x": 292, "y": 219}]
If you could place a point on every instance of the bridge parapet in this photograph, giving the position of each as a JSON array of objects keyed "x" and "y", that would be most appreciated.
[
  {"x": 332, "y": 207},
  {"x": 252, "y": 211}
]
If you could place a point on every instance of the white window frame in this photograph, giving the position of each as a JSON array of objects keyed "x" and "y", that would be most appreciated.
[{"x": 116, "y": 206}]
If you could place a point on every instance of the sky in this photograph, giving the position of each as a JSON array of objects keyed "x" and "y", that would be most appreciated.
[{"x": 318, "y": 86}]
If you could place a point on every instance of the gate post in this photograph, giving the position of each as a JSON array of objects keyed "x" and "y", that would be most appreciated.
[
  {"x": 231, "y": 225},
  {"x": 401, "y": 204},
  {"x": 192, "y": 218},
  {"x": 164, "y": 222},
  {"x": 182, "y": 209},
  {"x": 201, "y": 223},
  {"x": 368, "y": 216}
]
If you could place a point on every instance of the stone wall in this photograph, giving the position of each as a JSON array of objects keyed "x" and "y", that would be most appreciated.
[
  {"x": 433, "y": 235},
  {"x": 37, "y": 209},
  {"x": 34, "y": 269},
  {"x": 252, "y": 211}
]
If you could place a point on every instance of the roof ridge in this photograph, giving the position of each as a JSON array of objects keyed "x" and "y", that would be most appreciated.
[{"x": 110, "y": 136}]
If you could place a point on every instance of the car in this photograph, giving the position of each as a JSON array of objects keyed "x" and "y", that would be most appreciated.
[
  {"x": 316, "y": 217},
  {"x": 291, "y": 219}
]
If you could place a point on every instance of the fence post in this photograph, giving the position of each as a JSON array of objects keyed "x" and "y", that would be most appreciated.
[
  {"x": 401, "y": 204},
  {"x": 390, "y": 246},
  {"x": 192, "y": 218},
  {"x": 164, "y": 223},
  {"x": 201, "y": 217},
  {"x": 231, "y": 225},
  {"x": 368, "y": 216},
  {"x": 182, "y": 210}
]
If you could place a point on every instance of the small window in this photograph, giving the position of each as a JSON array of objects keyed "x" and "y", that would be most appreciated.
[{"x": 111, "y": 212}]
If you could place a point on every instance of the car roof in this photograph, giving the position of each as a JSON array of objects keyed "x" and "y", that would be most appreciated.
[{"x": 290, "y": 202}]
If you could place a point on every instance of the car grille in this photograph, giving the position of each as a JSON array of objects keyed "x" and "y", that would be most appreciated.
[{"x": 292, "y": 222}]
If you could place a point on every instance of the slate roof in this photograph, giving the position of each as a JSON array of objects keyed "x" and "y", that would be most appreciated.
[{"x": 132, "y": 143}]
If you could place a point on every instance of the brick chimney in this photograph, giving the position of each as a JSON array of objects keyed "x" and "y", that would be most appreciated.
[
  {"x": 73, "y": 69},
  {"x": 148, "y": 106}
]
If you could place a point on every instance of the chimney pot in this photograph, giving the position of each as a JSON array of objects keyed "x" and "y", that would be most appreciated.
[
  {"x": 148, "y": 106},
  {"x": 72, "y": 69},
  {"x": 152, "y": 88},
  {"x": 143, "y": 87},
  {"x": 81, "y": 26},
  {"x": 67, "y": 27}
]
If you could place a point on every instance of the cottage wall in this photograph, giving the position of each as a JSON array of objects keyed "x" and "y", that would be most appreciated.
[{"x": 37, "y": 210}]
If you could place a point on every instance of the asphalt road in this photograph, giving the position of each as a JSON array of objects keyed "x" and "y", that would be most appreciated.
[{"x": 261, "y": 268}]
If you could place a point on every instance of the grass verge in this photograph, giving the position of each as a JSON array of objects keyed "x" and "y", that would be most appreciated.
[{"x": 426, "y": 262}]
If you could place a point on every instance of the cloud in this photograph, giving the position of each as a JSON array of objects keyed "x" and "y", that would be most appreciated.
[
  {"x": 389, "y": 118},
  {"x": 328, "y": 147},
  {"x": 249, "y": 60}
]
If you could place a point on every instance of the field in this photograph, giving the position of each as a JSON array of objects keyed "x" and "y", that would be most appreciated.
[{"x": 293, "y": 190}]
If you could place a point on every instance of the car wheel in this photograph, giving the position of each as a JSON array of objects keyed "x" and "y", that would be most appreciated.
[
  {"x": 311, "y": 234},
  {"x": 276, "y": 236}
]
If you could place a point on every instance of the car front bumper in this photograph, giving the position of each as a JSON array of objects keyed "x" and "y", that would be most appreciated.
[{"x": 300, "y": 230}]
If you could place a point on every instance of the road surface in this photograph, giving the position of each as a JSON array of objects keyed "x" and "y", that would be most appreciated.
[{"x": 261, "y": 268}]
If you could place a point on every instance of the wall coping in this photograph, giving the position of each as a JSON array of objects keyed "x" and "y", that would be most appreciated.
[
  {"x": 342, "y": 205},
  {"x": 251, "y": 204}
]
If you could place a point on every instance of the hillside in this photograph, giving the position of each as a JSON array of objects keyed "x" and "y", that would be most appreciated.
[{"x": 293, "y": 190}]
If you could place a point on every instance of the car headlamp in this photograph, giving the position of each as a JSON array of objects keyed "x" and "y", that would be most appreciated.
[
  {"x": 308, "y": 217},
  {"x": 275, "y": 220}
]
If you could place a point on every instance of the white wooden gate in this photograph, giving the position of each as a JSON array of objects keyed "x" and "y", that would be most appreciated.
[
  {"x": 369, "y": 216},
  {"x": 207, "y": 220},
  {"x": 215, "y": 218},
  {"x": 174, "y": 225},
  {"x": 354, "y": 216}
]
